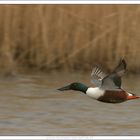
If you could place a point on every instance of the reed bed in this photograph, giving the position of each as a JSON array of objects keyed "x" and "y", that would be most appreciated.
[{"x": 68, "y": 37}]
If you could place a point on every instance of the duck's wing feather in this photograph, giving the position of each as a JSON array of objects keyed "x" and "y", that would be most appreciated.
[
  {"x": 97, "y": 75},
  {"x": 121, "y": 68},
  {"x": 113, "y": 80}
]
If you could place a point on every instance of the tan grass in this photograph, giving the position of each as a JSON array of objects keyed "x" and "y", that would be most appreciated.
[{"x": 72, "y": 37}]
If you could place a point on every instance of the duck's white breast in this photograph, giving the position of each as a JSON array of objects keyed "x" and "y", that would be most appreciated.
[{"x": 95, "y": 92}]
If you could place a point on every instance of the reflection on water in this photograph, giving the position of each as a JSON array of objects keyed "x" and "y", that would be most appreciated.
[{"x": 30, "y": 105}]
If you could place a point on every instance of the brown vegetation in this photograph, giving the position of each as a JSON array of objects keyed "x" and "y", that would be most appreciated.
[{"x": 72, "y": 37}]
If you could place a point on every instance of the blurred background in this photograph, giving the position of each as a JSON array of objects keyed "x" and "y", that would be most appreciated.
[
  {"x": 68, "y": 37},
  {"x": 44, "y": 47}
]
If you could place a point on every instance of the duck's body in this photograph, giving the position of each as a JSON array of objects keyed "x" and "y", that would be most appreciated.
[
  {"x": 110, "y": 96},
  {"x": 107, "y": 96},
  {"x": 108, "y": 87}
]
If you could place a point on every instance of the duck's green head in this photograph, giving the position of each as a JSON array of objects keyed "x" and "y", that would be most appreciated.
[{"x": 75, "y": 86}]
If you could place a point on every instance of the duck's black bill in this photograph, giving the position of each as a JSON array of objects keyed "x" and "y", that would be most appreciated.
[{"x": 64, "y": 88}]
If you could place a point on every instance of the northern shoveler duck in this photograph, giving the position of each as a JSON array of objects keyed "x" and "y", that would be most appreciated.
[{"x": 108, "y": 87}]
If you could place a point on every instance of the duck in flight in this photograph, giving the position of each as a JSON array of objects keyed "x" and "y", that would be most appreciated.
[{"x": 108, "y": 87}]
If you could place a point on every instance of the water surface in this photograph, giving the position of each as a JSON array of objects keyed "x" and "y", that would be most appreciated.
[{"x": 30, "y": 105}]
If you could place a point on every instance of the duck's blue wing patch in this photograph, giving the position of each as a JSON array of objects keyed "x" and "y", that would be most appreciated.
[{"x": 111, "y": 82}]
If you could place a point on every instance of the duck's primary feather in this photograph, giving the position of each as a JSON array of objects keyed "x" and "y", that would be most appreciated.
[{"x": 97, "y": 76}]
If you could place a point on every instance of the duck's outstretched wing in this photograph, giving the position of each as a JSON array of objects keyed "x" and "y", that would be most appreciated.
[
  {"x": 97, "y": 75},
  {"x": 121, "y": 68},
  {"x": 113, "y": 80}
]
